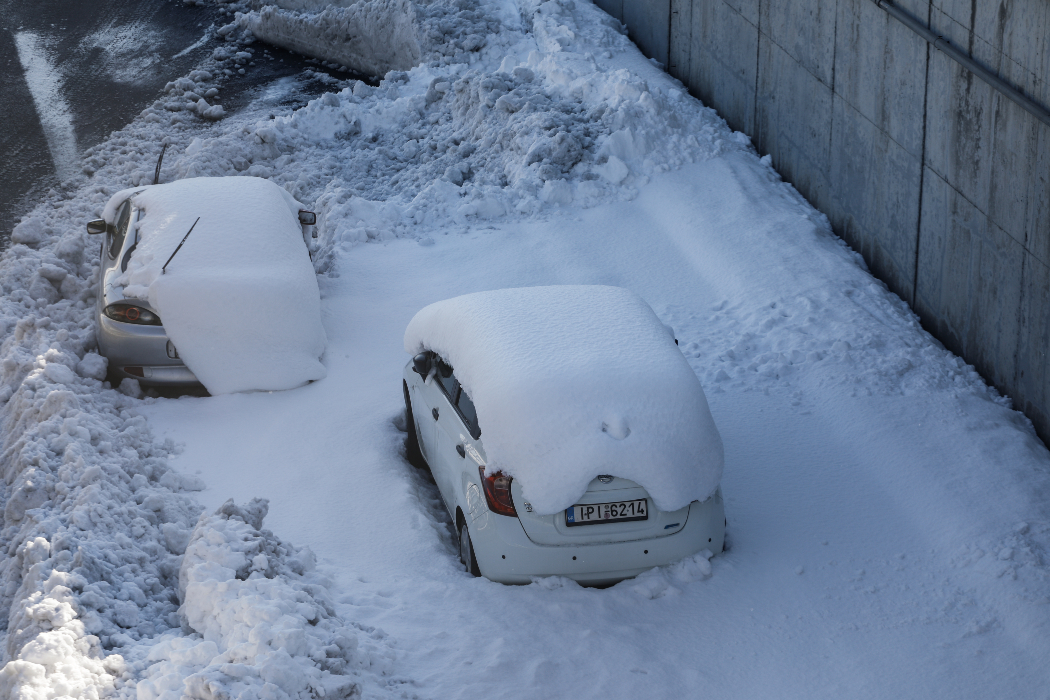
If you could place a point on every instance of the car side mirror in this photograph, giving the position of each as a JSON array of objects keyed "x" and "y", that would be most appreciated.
[
  {"x": 97, "y": 226},
  {"x": 307, "y": 218},
  {"x": 421, "y": 364}
]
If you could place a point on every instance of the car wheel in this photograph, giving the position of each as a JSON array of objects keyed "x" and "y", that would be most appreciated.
[
  {"x": 466, "y": 551},
  {"x": 412, "y": 451}
]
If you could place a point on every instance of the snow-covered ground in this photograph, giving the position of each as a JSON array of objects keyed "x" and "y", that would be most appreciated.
[{"x": 889, "y": 515}]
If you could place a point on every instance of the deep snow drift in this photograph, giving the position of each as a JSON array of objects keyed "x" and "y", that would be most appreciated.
[
  {"x": 887, "y": 511},
  {"x": 575, "y": 381},
  {"x": 240, "y": 298}
]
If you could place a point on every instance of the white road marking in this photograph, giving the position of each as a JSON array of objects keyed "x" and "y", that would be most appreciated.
[
  {"x": 45, "y": 85},
  {"x": 193, "y": 47}
]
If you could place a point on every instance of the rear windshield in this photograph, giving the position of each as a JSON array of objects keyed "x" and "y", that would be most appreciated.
[{"x": 116, "y": 242}]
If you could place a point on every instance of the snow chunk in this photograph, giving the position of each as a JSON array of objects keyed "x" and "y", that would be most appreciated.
[
  {"x": 240, "y": 300},
  {"x": 575, "y": 381},
  {"x": 30, "y": 231},
  {"x": 93, "y": 366}
]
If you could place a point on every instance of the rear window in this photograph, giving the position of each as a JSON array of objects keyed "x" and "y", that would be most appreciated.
[{"x": 116, "y": 242}]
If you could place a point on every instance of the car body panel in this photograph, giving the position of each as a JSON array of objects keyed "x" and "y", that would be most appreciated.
[
  {"x": 553, "y": 530},
  {"x": 142, "y": 347},
  {"x": 506, "y": 554},
  {"x": 518, "y": 549}
]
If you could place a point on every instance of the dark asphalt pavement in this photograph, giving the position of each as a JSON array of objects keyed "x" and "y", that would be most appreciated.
[
  {"x": 74, "y": 71},
  {"x": 107, "y": 59}
]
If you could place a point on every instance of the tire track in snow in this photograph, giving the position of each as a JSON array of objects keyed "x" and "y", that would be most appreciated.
[{"x": 45, "y": 85}]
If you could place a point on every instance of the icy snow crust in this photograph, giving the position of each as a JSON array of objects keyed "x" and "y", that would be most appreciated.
[
  {"x": 240, "y": 299},
  {"x": 888, "y": 530},
  {"x": 575, "y": 381}
]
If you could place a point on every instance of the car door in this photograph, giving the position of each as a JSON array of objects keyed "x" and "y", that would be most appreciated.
[
  {"x": 457, "y": 429},
  {"x": 443, "y": 423},
  {"x": 424, "y": 396}
]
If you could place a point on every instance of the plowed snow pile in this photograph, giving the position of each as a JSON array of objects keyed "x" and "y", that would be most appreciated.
[{"x": 890, "y": 536}]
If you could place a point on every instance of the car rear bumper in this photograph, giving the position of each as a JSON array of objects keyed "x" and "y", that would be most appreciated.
[
  {"x": 143, "y": 350},
  {"x": 505, "y": 553}
]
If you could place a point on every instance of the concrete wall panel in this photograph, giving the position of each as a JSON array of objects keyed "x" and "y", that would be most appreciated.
[
  {"x": 941, "y": 182},
  {"x": 612, "y": 7},
  {"x": 648, "y": 25},
  {"x": 958, "y": 129},
  {"x": 748, "y": 9},
  {"x": 1032, "y": 394},
  {"x": 681, "y": 40},
  {"x": 1037, "y": 202},
  {"x": 1010, "y": 169},
  {"x": 880, "y": 70},
  {"x": 724, "y": 62},
  {"x": 805, "y": 30},
  {"x": 876, "y": 196},
  {"x": 801, "y": 148},
  {"x": 969, "y": 283}
]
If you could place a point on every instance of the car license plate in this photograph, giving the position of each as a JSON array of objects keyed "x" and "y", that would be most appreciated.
[{"x": 595, "y": 513}]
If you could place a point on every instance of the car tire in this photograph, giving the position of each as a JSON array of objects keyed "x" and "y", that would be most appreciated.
[
  {"x": 412, "y": 451},
  {"x": 466, "y": 551}
]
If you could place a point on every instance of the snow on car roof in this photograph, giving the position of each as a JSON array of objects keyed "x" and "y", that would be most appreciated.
[
  {"x": 571, "y": 382},
  {"x": 240, "y": 299}
]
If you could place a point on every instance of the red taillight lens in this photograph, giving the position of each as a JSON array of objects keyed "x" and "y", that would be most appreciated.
[{"x": 497, "y": 493}]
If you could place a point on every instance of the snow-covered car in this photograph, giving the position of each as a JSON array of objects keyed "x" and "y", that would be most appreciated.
[
  {"x": 565, "y": 431},
  {"x": 223, "y": 262}
]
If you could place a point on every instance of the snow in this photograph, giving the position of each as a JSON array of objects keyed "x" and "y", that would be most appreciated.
[
  {"x": 575, "y": 381},
  {"x": 240, "y": 299},
  {"x": 888, "y": 522},
  {"x": 265, "y": 621}
]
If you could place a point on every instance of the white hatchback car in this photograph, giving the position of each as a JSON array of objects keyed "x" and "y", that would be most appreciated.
[{"x": 600, "y": 458}]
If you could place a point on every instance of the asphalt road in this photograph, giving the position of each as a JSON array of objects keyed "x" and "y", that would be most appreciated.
[{"x": 72, "y": 72}]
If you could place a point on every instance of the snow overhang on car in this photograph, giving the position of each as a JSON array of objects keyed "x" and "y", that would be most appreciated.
[
  {"x": 223, "y": 263},
  {"x": 571, "y": 382}
]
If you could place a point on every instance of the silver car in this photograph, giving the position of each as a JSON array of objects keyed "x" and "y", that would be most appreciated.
[
  {"x": 130, "y": 333},
  {"x": 613, "y": 532}
]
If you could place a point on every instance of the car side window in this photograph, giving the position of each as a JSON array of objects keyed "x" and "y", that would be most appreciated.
[
  {"x": 469, "y": 414},
  {"x": 116, "y": 242},
  {"x": 457, "y": 397},
  {"x": 447, "y": 379}
]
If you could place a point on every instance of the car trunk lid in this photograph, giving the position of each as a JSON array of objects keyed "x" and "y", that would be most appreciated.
[{"x": 556, "y": 530}]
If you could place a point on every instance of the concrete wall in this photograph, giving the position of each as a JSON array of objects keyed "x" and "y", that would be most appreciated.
[{"x": 942, "y": 183}]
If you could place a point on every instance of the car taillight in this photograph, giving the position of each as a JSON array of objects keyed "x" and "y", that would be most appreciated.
[
  {"x": 497, "y": 493},
  {"x": 129, "y": 313}
]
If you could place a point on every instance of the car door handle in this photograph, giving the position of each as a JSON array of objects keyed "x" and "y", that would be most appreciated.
[
  {"x": 434, "y": 412},
  {"x": 462, "y": 452}
]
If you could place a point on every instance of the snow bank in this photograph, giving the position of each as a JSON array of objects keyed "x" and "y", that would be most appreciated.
[
  {"x": 264, "y": 622},
  {"x": 555, "y": 109},
  {"x": 240, "y": 299},
  {"x": 93, "y": 521},
  {"x": 373, "y": 37},
  {"x": 575, "y": 381}
]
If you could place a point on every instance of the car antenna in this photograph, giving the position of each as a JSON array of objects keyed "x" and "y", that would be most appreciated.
[
  {"x": 179, "y": 246},
  {"x": 156, "y": 173}
]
